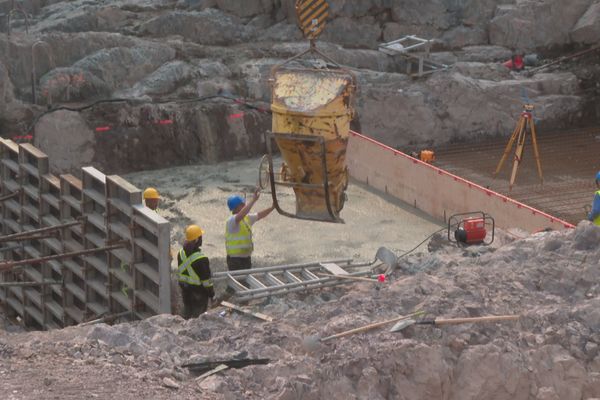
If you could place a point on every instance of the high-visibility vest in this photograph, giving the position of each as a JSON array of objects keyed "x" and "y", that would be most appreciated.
[
  {"x": 239, "y": 243},
  {"x": 186, "y": 273},
  {"x": 597, "y": 219}
]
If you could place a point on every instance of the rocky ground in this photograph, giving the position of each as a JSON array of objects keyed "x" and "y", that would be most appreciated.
[
  {"x": 550, "y": 279},
  {"x": 190, "y": 62}
]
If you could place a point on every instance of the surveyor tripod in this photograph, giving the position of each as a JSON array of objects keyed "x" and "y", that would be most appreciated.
[{"x": 526, "y": 123}]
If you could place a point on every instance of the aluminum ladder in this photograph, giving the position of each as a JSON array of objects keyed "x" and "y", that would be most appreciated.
[{"x": 280, "y": 280}]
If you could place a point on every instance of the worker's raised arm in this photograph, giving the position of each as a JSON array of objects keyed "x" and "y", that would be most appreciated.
[
  {"x": 265, "y": 212},
  {"x": 247, "y": 207}
]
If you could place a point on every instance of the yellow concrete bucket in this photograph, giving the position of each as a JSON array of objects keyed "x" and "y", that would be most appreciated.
[{"x": 311, "y": 120}]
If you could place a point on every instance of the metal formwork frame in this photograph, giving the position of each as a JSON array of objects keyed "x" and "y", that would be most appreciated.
[
  {"x": 126, "y": 268},
  {"x": 73, "y": 300},
  {"x": 9, "y": 180},
  {"x": 33, "y": 164}
]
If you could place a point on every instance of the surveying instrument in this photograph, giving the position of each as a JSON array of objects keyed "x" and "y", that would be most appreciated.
[{"x": 525, "y": 124}]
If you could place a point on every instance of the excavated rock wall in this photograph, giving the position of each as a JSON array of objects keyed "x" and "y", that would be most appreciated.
[{"x": 152, "y": 52}]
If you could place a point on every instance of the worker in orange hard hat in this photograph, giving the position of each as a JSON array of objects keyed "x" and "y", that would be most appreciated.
[
  {"x": 151, "y": 198},
  {"x": 594, "y": 214},
  {"x": 194, "y": 274}
]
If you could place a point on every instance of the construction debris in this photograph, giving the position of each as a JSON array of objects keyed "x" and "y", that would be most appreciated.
[
  {"x": 258, "y": 315},
  {"x": 202, "y": 367}
]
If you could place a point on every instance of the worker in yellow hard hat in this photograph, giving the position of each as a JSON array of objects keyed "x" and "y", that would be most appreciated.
[
  {"x": 194, "y": 274},
  {"x": 151, "y": 198},
  {"x": 238, "y": 231}
]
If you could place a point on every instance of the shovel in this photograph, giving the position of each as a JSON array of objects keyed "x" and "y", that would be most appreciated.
[
  {"x": 311, "y": 343},
  {"x": 454, "y": 321},
  {"x": 387, "y": 257}
]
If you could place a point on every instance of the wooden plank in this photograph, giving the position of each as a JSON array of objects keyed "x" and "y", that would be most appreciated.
[
  {"x": 258, "y": 315},
  {"x": 334, "y": 269},
  {"x": 219, "y": 368}
]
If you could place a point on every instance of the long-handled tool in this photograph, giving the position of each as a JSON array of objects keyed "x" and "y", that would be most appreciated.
[
  {"x": 454, "y": 321},
  {"x": 312, "y": 342}
]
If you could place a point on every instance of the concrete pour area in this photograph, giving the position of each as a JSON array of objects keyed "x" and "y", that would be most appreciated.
[{"x": 198, "y": 193}]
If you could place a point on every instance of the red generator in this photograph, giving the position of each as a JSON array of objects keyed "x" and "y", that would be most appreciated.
[{"x": 471, "y": 228}]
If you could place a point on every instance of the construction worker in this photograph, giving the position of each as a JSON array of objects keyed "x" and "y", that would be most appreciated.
[
  {"x": 594, "y": 215},
  {"x": 194, "y": 274},
  {"x": 238, "y": 231},
  {"x": 151, "y": 198}
]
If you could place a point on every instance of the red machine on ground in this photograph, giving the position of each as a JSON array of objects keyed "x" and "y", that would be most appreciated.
[{"x": 471, "y": 228}]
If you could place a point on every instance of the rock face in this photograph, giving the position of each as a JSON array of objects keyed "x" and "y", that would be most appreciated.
[
  {"x": 202, "y": 132},
  {"x": 587, "y": 29},
  {"x": 210, "y": 27},
  {"x": 193, "y": 50},
  {"x": 533, "y": 24}
]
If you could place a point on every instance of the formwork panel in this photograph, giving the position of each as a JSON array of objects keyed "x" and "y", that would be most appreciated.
[
  {"x": 93, "y": 208},
  {"x": 132, "y": 281},
  {"x": 152, "y": 262},
  {"x": 73, "y": 299}
]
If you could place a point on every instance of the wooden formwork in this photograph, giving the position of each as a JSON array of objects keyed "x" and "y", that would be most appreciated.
[{"x": 132, "y": 280}]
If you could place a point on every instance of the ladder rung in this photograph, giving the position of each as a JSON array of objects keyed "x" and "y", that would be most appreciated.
[
  {"x": 291, "y": 277},
  {"x": 272, "y": 279},
  {"x": 254, "y": 283},
  {"x": 235, "y": 284},
  {"x": 309, "y": 275}
]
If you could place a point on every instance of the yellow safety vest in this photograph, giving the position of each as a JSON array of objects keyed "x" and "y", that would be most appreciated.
[
  {"x": 597, "y": 219},
  {"x": 186, "y": 273},
  {"x": 239, "y": 243}
]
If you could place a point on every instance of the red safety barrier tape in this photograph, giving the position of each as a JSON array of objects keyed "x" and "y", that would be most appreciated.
[
  {"x": 165, "y": 121},
  {"x": 23, "y": 137},
  {"x": 235, "y": 116},
  {"x": 102, "y": 128},
  {"x": 464, "y": 181}
]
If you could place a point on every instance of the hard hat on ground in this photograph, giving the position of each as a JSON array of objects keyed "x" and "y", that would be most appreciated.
[
  {"x": 234, "y": 201},
  {"x": 598, "y": 176},
  {"x": 151, "y": 193},
  {"x": 193, "y": 232}
]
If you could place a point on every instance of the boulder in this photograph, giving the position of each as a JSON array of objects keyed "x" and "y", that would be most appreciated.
[
  {"x": 66, "y": 155},
  {"x": 448, "y": 105},
  {"x": 121, "y": 66},
  {"x": 486, "y": 53},
  {"x": 210, "y": 26},
  {"x": 352, "y": 33},
  {"x": 71, "y": 85},
  {"x": 163, "y": 81},
  {"x": 531, "y": 24},
  {"x": 488, "y": 372},
  {"x": 587, "y": 29},
  {"x": 246, "y": 8},
  {"x": 6, "y": 90}
]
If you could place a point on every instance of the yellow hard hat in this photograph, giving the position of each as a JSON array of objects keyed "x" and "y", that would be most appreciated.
[
  {"x": 151, "y": 193},
  {"x": 193, "y": 232}
]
